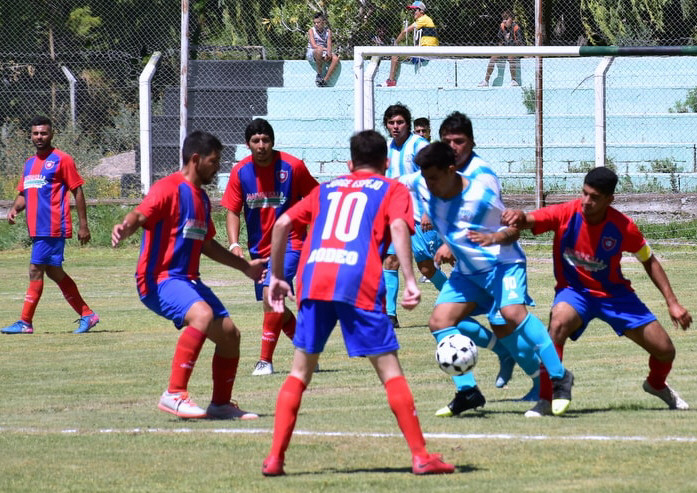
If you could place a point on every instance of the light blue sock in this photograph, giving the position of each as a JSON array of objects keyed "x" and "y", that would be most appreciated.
[
  {"x": 438, "y": 279},
  {"x": 392, "y": 288},
  {"x": 482, "y": 336},
  {"x": 466, "y": 381},
  {"x": 535, "y": 334}
]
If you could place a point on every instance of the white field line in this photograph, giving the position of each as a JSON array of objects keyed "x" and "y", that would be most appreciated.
[{"x": 343, "y": 434}]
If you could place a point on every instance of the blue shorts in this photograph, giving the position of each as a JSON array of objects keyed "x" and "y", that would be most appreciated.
[
  {"x": 424, "y": 244},
  {"x": 366, "y": 333},
  {"x": 290, "y": 268},
  {"x": 46, "y": 250},
  {"x": 622, "y": 313},
  {"x": 174, "y": 297},
  {"x": 506, "y": 284}
]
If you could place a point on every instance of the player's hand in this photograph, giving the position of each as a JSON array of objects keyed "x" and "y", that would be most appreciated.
[
  {"x": 426, "y": 224},
  {"x": 411, "y": 296},
  {"x": 116, "y": 234},
  {"x": 256, "y": 270},
  {"x": 444, "y": 255},
  {"x": 278, "y": 290},
  {"x": 84, "y": 235},
  {"x": 483, "y": 239},
  {"x": 680, "y": 316},
  {"x": 11, "y": 215},
  {"x": 513, "y": 217},
  {"x": 237, "y": 250}
]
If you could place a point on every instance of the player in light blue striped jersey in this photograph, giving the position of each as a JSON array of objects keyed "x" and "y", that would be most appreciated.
[{"x": 489, "y": 276}]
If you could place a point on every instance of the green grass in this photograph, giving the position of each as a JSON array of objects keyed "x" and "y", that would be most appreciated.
[{"x": 79, "y": 412}]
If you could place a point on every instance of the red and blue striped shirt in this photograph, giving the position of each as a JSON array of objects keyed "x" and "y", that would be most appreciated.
[
  {"x": 45, "y": 184},
  {"x": 178, "y": 223},
  {"x": 349, "y": 233},
  {"x": 265, "y": 193}
]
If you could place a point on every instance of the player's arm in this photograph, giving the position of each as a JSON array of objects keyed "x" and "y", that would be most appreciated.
[
  {"x": 18, "y": 206},
  {"x": 403, "y": 34},
  {"x": 232, "y": 224},
  {"x": 401, "y": 238},
  {"x": 130, "y": 224},
  {"x": 329, "y": 44},
  {"x": 83, "y": 233},
  {"x": 254, "y": 269},
  {"x": 517, "y": 219},
  {"x": 678, "y": 314},
  {"x": 279, "y": 289},
  {"x": 504, "y": 236}
]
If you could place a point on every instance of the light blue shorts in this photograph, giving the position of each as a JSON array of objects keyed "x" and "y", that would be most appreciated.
[
  {"x": 504, "y": 285},
  {"x": 174, "y": 297},
  {"x": 424, "y": 244},
  {"x": 366, "y": 333},
  {"x": 46, "y": 250},
  {"x": 622, "y": 313}
]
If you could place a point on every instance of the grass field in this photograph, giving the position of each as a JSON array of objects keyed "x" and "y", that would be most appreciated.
[{"x": 79, "y": 411}]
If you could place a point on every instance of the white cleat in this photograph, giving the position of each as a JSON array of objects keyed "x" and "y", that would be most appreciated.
[
  {"x": 181, "y": 405},
  {"x": 542, "y": 408},
  {"x": 667, "y": 395},
  {"x": 263, "y": 368}
]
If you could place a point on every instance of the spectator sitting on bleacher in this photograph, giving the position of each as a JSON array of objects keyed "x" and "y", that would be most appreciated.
[
  {"x": 319, "y": 49},
  {"x": 424, "y": 29}
]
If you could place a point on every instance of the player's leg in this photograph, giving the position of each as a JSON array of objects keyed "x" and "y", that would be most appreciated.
[
  {"x": 31, "y": 300},
  {"x": 391, "y": 276},
  {"x": 88, "y": 318},
  {"x": 452, "y": 307},
  {"x": 316, "y": 321}
]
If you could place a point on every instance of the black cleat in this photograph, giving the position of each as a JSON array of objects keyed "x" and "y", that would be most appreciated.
[
  {"x": 465, "y": 399},
  {"x": 561, "y": 396}
]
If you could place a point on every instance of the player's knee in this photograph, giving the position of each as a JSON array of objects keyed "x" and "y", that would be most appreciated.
[{"x": 427, "y": 268}]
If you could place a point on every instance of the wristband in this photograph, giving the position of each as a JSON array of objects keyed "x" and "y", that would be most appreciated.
[{"x": 233, "y": 245}]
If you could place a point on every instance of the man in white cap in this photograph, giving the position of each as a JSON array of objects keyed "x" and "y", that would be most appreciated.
[{"x": 428, "y": 37}]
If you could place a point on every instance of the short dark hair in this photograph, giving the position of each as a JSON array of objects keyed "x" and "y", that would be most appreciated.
[
  {"x": 397, "y": 109},
  {"x": 422, "y": 122},
  {"x": 456, "y": 122},
  {"x": 318, "y": 15},
  {"x": 368, "y": 149},
  {"x": 40, "y": 120},
  {"x": 602, "y": 179},
  {"x": 199, "y": 142},
  {"x": 258, "y": 126},
  {"x": 437, "y": 154}
]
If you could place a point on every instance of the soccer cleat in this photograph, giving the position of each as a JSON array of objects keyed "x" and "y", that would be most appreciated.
[
  {"x": 561, "y": 394},
  {"x": 395, "y": 322},
  {"x": 465, "y": 399},
  {"x": 484, "y": 83},
  {"x": 542, "y": 408},
  {"x": 667, "y": 395},
  {"x": 506, "y": 365},
  {"x": 181, "y": 405},
  {"x": 86, "y": 323},
  {"x": 263, "y": 368},
  {"x": 431, "y": 464},
  {"x": 272, "y": 466},
  {"x": 18, "y": 327},
  {"x": 228, "y": 411},
  {"x": 322, "y": 83},
  {"x": 390, "y": 82}
]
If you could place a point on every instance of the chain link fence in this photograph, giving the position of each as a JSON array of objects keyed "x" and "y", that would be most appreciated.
[{"x": 247, "y": 59}]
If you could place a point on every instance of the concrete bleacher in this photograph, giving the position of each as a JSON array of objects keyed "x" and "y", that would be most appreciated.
[{"x": 315, "y": 123}]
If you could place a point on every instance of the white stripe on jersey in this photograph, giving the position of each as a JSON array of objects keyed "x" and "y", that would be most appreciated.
[{"x": 401, "y": 161}]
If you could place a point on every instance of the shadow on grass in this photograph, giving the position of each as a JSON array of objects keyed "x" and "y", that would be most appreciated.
[{"x": 381, "y": 470}]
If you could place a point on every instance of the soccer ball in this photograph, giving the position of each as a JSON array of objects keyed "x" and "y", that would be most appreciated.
[{"x": 456, "y": 354}]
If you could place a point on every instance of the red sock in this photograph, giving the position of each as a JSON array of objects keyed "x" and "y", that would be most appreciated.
[
  {"x": 287, "y": 406},
  {"x": 72, "y": 296},
  {"x": 31, "y": 300},
  {"x": 224, "y": 373},
  {"x": 546, "y": 390},
  {"x": 289, "y": 327},
  {"x": 269, "y": 335},
  {"x": 402, "y": 404},
  {"x": 658, "y": 372},
  {"x": 185, "y": 355}
]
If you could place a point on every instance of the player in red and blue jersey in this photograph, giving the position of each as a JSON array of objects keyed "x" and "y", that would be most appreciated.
[
  {"x": 264, "y": 185},
  {"x": 47, "y": 179},
  {"x": 177, "y": 224},
  {"x": 589, "y": 238},
  {"x": 352, "y": 221}
]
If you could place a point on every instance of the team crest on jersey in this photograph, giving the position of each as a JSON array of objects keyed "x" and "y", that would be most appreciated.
[
  {"x": 49, "y": 164},
  {"x": 282, "y": 175},
  {"x": 608, "y": 243}
]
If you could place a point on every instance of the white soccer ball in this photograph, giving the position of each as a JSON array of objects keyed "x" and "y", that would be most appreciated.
[{"x": 456, "y": 354}]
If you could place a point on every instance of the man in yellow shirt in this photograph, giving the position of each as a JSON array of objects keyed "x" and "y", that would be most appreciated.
[{"x": 424, "y": 29}]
